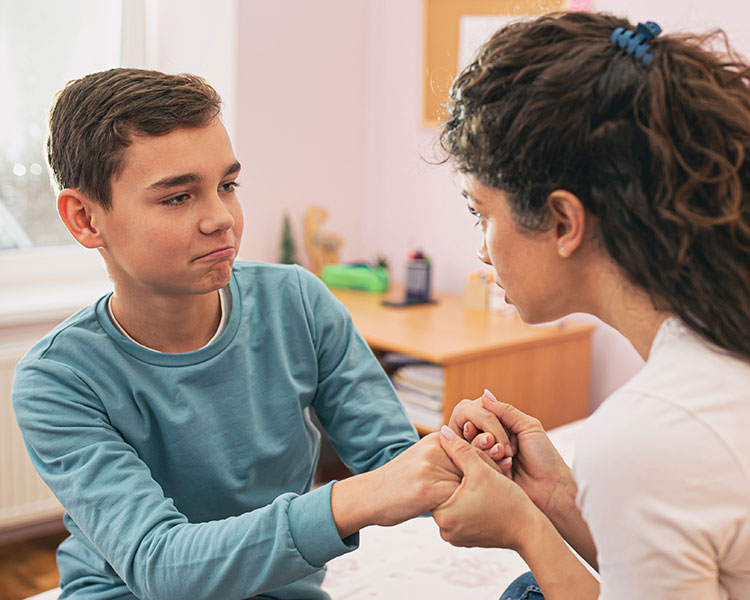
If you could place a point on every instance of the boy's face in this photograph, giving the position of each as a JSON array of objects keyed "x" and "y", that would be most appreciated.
[{"x": 175, "y": 223}]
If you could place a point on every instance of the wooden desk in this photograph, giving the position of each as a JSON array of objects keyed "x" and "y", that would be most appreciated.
[{"x": 543, "y": 370}]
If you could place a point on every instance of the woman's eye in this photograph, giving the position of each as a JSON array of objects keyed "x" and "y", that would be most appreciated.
[
  {"x": 475, "y": 213},
  {"x": 175, "y": 200}
]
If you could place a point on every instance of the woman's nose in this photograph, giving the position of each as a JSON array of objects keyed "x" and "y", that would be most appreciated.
[{"x": 482, "y": 253}]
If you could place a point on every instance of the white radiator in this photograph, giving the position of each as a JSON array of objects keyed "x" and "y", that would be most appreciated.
[{"x": 24, "y": 498}]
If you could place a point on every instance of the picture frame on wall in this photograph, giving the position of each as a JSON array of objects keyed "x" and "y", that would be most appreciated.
[{"x": 453, "y": 31}]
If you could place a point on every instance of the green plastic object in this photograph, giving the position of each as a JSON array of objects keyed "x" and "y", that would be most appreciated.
[{"x": 357, "y": 276}]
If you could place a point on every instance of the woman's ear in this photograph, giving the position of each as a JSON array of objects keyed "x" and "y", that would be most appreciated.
[
  {"x": 77, "y": 213},
  {"x": 569, "y": 221}
]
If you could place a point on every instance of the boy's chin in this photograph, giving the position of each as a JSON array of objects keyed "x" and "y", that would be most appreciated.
[{"x": 219, "y": 277}]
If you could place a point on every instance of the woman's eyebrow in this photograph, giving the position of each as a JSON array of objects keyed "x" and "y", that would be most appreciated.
[{"x": 469, "y": 197}]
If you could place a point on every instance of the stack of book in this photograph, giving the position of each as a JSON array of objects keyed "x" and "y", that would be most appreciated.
[{"x": 420, "y": 388}]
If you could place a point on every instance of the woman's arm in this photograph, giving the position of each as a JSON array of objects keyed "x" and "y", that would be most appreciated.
[
  {"x": 489, "y": 510},
  {"x": 537, "y": 467}
]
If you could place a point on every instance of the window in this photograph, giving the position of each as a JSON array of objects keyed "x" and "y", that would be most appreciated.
[
  {"x": 44, "y": 273},
  {"x": 42, "y": 46}
]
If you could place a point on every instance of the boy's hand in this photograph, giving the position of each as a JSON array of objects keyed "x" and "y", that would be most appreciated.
[{"x": 413, "y": 483}]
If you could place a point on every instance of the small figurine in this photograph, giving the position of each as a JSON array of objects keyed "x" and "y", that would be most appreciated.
[{"x": 322, "y": 246}]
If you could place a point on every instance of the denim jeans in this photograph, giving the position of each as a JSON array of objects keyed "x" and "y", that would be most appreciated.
[{"x": 523, "y": 588}]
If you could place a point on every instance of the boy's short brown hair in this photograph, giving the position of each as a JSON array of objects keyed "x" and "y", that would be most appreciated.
[{"x": 94, "y": 119}]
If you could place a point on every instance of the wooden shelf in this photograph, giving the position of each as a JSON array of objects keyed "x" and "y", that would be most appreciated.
[{"x": 543, "y": 370}]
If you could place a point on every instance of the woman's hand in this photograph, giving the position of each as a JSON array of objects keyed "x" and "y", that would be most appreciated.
[
  {"x": 487, "y": 509},
  {"x": 537, "y": 467},
  {"x": 483, "y": 429},
  {"x": 416, "y": 481}
]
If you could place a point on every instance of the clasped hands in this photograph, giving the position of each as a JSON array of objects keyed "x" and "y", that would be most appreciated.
[
  {"x": 487, "y": 477},
  {"x": 489, "y": 473}
]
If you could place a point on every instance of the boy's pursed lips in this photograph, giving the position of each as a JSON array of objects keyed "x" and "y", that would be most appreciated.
[{"x": 223, "y": 252}]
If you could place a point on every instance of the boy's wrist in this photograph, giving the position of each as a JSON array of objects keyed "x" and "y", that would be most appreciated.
[{"x": 350, "y": 506}]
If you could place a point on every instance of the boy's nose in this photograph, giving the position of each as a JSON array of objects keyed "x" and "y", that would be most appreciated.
[{"x": 218, "y": 216}]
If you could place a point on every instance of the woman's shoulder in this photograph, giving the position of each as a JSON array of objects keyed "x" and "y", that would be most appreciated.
[
  {"x": 673, "y": 431},
  {"x": 667, "y": 470},
  {"x": 684, "y": 379}
]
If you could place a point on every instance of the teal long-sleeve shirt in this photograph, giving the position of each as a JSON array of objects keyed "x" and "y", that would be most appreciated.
[{"x": 188, "y": 475}]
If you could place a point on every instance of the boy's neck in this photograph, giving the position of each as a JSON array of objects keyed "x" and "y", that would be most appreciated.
[{"x": 174, "y": 324}]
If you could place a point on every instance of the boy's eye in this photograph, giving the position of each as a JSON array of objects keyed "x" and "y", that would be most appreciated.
[
  {"x": 175, "y": 200},
  {"x": 230, "y": 186}
]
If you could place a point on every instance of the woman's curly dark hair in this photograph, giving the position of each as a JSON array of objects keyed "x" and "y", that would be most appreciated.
[{"x": 659, "y": 154}]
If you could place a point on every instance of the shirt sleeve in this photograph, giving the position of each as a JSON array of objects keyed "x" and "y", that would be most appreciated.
[
  {"x": 109, "y": 493},
  {"x": 656, "y": 487},
  {"x": 355, "y": 401}
]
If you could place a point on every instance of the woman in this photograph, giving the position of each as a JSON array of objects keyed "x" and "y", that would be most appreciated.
[{"x": 609, "y": 170}]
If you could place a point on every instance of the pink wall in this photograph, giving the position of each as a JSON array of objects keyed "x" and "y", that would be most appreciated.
[
  {"x": 328, "y": 112},
  {"x": 694, "y": 16},
  {"x": 300, "y": 123}
]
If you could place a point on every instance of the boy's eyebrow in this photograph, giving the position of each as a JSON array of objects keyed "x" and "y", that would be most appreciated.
[
  {"x": 234, "y": 168},
  {"x": 184, "y": 178},
  {"x": 175, "y": 180}
]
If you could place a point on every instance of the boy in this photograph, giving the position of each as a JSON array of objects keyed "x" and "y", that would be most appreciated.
[{"x": 171, "y": 417}]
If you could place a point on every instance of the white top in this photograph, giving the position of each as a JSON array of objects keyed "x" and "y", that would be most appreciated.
[
  {"x": 663, "y": 471},
  {"x": 225, "y": 307}
]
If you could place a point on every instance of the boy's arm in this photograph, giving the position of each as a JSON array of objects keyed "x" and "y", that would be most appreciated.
[
  {"x": 355, "y": 402},
  {"x": 110, "y": 494}
]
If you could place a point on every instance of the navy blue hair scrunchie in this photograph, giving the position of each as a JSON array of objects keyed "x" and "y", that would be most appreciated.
[{"x": 635, "y": 42}]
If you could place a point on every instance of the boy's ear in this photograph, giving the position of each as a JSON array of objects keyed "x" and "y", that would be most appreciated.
[
  {"x": 78, "y": 212},
  {"x": 569, "y": 221}
]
